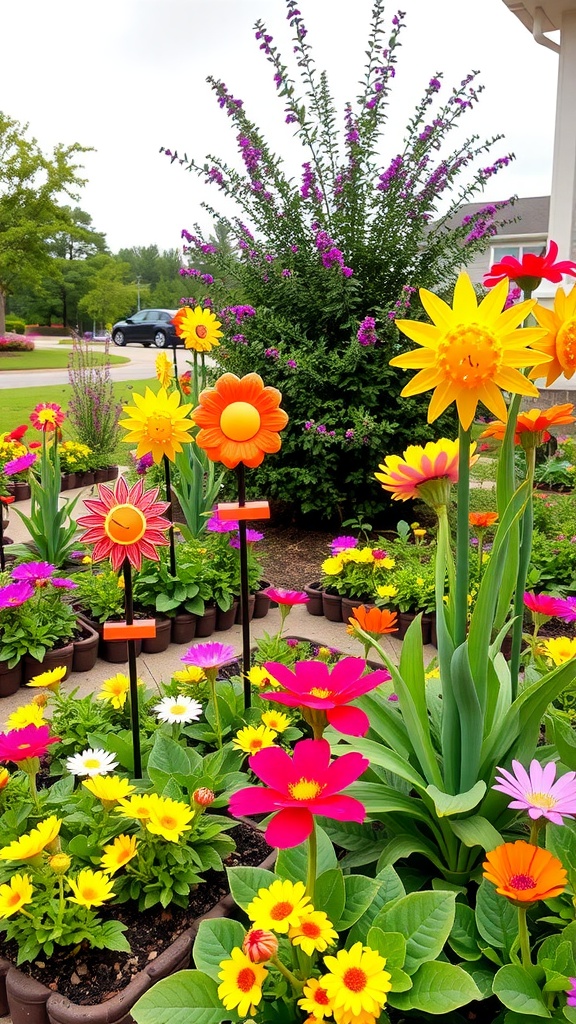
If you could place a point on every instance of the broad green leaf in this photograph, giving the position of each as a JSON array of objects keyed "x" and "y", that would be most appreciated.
[
  {"x": 496, "y": 918},
  {"x": 483, "y": 974},
  {"x": 425, "y": 919},
  {"x": 330, "y": 894},
  {"x": 477, "y": 831},
  {"x": 245, "y": 882},
  {"x": 464, "y": 937},
  {"x": 179, "y": 998},
  {"x": 167, "y": 758},
  {"x": 437, "y": 987},
  {"x": 360, "y": 892},
  {"x": 564, "y": 738},
  {"x": 380, "y": 755},
  {"x": 391, "y": 945},
  {"x": 447, "y": 804},
  {"x": 214, "y": 942},
  {"x": 390, "y": 888},
  {"x": 403, "y": 845},
  {"x": 293, "y": 862},
  {"x": 380, "y": 799},
  {"x": 518, "y": 991}
]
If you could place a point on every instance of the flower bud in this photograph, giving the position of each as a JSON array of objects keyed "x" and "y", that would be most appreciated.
[
  {"x": 4, "y": 777},
  {"x": 203, "y": 797},
  {"x": 60, "y": 863},
  {"x": 259, "y": 945},
  {"x": 41, "y": 699}
]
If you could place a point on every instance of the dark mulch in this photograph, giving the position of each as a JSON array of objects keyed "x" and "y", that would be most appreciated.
[
  {"x": 92, "y": 976},
  {"x": 292, "y": 557}
]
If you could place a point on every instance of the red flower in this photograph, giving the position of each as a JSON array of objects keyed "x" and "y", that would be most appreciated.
[
  {"x": 20, "y": 744},
  {"x": 299, "y": 787},
  {"x": 17, "y": 434},
  {"x": 313, "y": 685},
  {"x": 7, "y": 499},
  {"x": 47, "y": 416},
  {"x": 530, "y": 271}
]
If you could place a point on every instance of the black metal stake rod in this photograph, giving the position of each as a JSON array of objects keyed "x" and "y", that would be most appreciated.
[
  {"x": 174, "y": 355},
  {"x": 132, "y": 674},
  {"x": 2, "y": 557},
  {"x": 170, "y": 516},
  {"x": 244, "y": 593}
]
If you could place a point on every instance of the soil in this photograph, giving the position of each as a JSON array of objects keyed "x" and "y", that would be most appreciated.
[
  {"x": 292, "y": 557},
  {"x": 91, "y": 976}
]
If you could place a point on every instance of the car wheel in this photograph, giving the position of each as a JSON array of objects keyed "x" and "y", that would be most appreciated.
[
  {"x": 160, "y": 340},
  {"x": 118, "y": 338}
]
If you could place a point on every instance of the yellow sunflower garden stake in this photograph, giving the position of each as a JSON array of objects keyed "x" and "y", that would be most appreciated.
[
  {"x": 125, "y": 525},
  {"x": 240, "y": 420}
]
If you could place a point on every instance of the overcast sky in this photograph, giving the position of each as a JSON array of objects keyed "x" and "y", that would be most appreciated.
[{"x": 129, "y": 76}]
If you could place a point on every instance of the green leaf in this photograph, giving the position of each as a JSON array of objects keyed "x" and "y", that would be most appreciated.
[
  {"x": 425, "y": 919},
  {"x": 464, "y": 937},
  {"x": 245, "y": 882},
  {"x": 330, "y": 894},
  {"x": 167, "y": 758},
  {"x": 293, "y": 862},
  {"x": 496, "y": 918},
  {"x": 214, "y": 942},
  {"x": 360, "y": 892},
  {"x": 476, "y": 831},
  {"x": 390, "y": 888},
  {"x": 437, "y": 987},
  {"x": 483, "y": 975},
  {"x": 391, "y": 945},
  {"x": 380, "y": 755},
  {"x": 179, "y": 998},
  {"x": 446, "y": 804},
  {"x": 518, "y": 991}
]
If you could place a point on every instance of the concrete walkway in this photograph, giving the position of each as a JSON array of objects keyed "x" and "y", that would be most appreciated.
[{"x": 140, "y": 367}]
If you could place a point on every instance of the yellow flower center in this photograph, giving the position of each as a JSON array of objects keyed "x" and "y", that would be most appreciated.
[
  {"x": 566, "y": 345},
  {"x": 355, "y": 979},
  {"x": 159, "y": 428},
  {"x": 240, "y": 421},
  {"x": 255, "y": 744},
  {"x": 246, "y": 976},
  {"x": 23, "y": 746},
  {"x": 91, "y": 762},
  {"x": 125, "y": 524},
  {"x": 317, "y": 691},
  {"x": 168, "y": 821},
  {"x": 89, "y": 893},
  {"x": 310, "y": 929},
  {"x": 469, "y": 355},
  {"x": 305, "y": 789},
  {"x": 177, "y": 709},
  {"x": 543, "y": 800},
  {"x": 47, "y": 416}
]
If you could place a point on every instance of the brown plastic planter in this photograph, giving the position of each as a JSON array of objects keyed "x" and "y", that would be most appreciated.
[
  {"x": 60, "y": 656},
  {"x": 261, "y": 602},
  {"x": 160, "y": 642},
  {"x": 332, "y": 606},
  {"x": 225, "y": 620},
  {"x": 314, "y": 604},
  {"x": 10, "y": 681},
  {"x": 206, "y": 624},
  {"x": 183, "y": 628},
  {"x": 85, "y": 648}
]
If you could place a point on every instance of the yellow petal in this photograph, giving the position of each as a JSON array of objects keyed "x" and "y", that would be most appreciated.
[
  {"x": 548, "y": 318},
  {"x": 438, "y": 310},
  {"x": 491, "y": 305},
  {"x": 414, "y": 359},
  {"x": 423, "y": 334},
  {"x": 466, "y": 403},
  {"x": 423, "y": 381},
  {"x": 491, "y": 397},
  {"x": 511, "y": 380},
  {"x": 465, "y": 302},
  {"x": 513, "y": 316},
  {"x": 443, "y": 396}
]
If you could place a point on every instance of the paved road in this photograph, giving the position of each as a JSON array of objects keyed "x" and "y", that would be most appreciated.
[{"x": 140, "y": 367}]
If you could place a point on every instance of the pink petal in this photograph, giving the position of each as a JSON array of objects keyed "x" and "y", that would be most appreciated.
[
  {"x": 311, "y": 759},
  {"x": 288, "y": 699},
  {"x": 349, "y": 720},
  {"x": 121, "y": 491},
  {"x": 281, "y": 673},
  {"x": 367, "y": 683},
  {"x": 289, "y": 827},
  {"x": 343, "y": 771},
  {"x": 340, "y": 807},
  {"x": 273, "y": 766},
  {"x": 346, "y": 672},
  {"x": 252, "y": 800}
]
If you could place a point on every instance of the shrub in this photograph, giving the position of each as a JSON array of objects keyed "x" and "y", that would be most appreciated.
[
  {"x": 325, "y": 266},
  {"x": 14, "y": 324},
  {"x": 16, "y": 343}
]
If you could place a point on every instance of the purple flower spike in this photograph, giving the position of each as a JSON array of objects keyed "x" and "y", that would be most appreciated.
[{"x": 210, "y": 655}]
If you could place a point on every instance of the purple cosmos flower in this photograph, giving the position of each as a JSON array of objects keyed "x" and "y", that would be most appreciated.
[
  {"x": 210, "y": 655},
  {"x": 252, "y": 537},
  {"x": 34, "y": 572},
  {"x": 536, "y": 791},
  {"x": 217, "y": 525},
  {"x": 342, "y": 543},
  {"x": 20, "y": 464},
  {"x": 63, "y": 584},
  {"x": 15, "y": 594},
  {"x": 292, "y": 364}
]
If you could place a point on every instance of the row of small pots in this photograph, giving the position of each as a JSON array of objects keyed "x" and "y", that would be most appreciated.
[
  {"x": 78, "y": 656},
  {"x": 336, "y": 608},
  {"x": 20, "y": 489}
]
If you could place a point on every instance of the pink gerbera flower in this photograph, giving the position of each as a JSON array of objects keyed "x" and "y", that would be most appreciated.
[
  {"x": 536, "y": 792},
  {"x": 282, "y": 596},
  {"x": 47, "y": 416},
  {"x": 125, "y": 523},
  {"x": 531, "y": 269},
  {"x": 315, "y": 686},
  {"x": 20, "y": 744},
  {"x": 300, "y": 787},
  {"x": 210, "y": 655},
  {"x": 545, "y": 605}
]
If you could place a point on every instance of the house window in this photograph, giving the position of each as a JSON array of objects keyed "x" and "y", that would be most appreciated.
[{"x": 518, "y": 251}]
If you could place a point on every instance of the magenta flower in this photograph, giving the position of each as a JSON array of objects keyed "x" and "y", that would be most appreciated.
[
  {"x": 34, "y": 572},
  {"x": 217, "y": 525},
  {"x": 63, "y": 584},
  {"x": 15, "y": 594},
  {"x": 544, "y": 604},
  {"x": 210, "y": 655},
  {"x": 300, "y": 787},
  {"x": 20, "y": 744},
  {"x": 536, "y": 792},
  {"x": 571, "y": 993},
  {"x": 20, "y": 464},
  {"x": 282, "y": 596},
  {"x": 252, "y": 537},
  {"x": 314, "y": 686},
  {"x": 342, "y": 543}
]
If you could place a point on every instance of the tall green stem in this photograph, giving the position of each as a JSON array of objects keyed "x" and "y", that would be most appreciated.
[
  {"x": 524, "y": 562},
  {"x": 524, "y": 939},
  {"x": 212, "y": 681},
  {"x": 312, "y": 863},
  {"x": 462, "y": 539}
]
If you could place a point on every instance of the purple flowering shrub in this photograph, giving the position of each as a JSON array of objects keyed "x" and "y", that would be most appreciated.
[
  {"x": 324, "y": 264},
  {"x": 93, "y": 410}
]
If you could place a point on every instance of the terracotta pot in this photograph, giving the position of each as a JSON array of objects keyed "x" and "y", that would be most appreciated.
[
  {"x": 85, "y": 649},
  {"x": 206, "y": 624},
  {"x": 262, "y": 604},
  {"x": 160, "y": 642},
  {"x": 21, "y": 490},
  {"x": 10, "y": 681},
  {"x": 314, "y": 605},
  {"x": 332, "y": 606},
  {"x": 225, "y": 620},
  {"x": 183, "y": 628},
  {"x": 251, "y": 603},
  {"x": 52, "y": 659}
]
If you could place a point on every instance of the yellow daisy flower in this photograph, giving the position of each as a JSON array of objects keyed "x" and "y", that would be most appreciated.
[
  {"x": 276, "y": 720},
  {"x": 52, "y": 678},
  {"x": 164, "y": 369},
  {"x": 118, "y": 853},
  {"x": 252, "y": 738},
  {"x": 190, "y": 674},
  {"x": 198, "y": 327},
  {"x": 280, "y": 907},
  {"x": 108, "y": 788},
  {"x": 115, "y": 690},
  {"x": 158, "y": 423},
  {"x": 559, "y": 648},
  {"x": 332, "y": 566},
  {"x": 31, "y": 844},
  {"x": 559, "y": 342},
  {"x": 356, "y": 980},
  {"x": 387, "y": 591},
  {"x": 168, "y": 818},
  {"x": 315, "y": 999},
  {"x": 28, "y": 714},
  {"x": 314, "y": 933},
  {"x": 242, "y": 982},
  {"x": 91, "y": 888},
  {"x": 135, "y": 807},
  {"x": 470, "y": 352},
  {"x": 15, "y": 895},
  {"x": 259, "y": 677}
]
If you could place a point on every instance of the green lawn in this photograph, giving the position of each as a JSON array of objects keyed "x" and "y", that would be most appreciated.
[{"x": 49, "y": 359}]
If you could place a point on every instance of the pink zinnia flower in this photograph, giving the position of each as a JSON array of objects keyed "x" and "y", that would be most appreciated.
[
  {"x": 210, "y": 655},
  {"x": 536, "y": 791},
  {"x": 20, "y": 744},
  {"x": 47, "y": 416},
  {"x": 282, "y": 596},
  {"x": 15, "y": 594},
  {"x": 544, "y": 604},
  {"x": 342, "y": 543},
  {"x": 299, "y": 787},
  {"x": 34, "y": 572},
  {"x": 314, "y": 685}
]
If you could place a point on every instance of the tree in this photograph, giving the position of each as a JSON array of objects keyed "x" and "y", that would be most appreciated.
[
  {"x": 157, "y": 270},
  {"x": 111, "y": 294},
  {"x": 32, "y": 186}
]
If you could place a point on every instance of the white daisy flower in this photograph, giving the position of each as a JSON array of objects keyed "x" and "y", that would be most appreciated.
[
  {"x": 91, "y": 762},
  {"x": 178, "y": 709}
]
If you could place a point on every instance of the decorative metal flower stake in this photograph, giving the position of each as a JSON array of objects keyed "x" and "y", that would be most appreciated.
[{"x": 125, "y": 525}]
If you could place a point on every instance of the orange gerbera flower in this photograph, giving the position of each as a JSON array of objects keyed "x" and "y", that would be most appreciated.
[
  {"x": 558, "y": 347},
  {"x": 239, "y": 420},
  {"x": 524, "y": 873},
  {"x": 482, "y": 520},
  {"x": 372, "y": 620},
  {"x": 535, "y": 423}
]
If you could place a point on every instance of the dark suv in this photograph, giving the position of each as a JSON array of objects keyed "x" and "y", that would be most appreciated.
[{"x": 147, "y": 327}]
